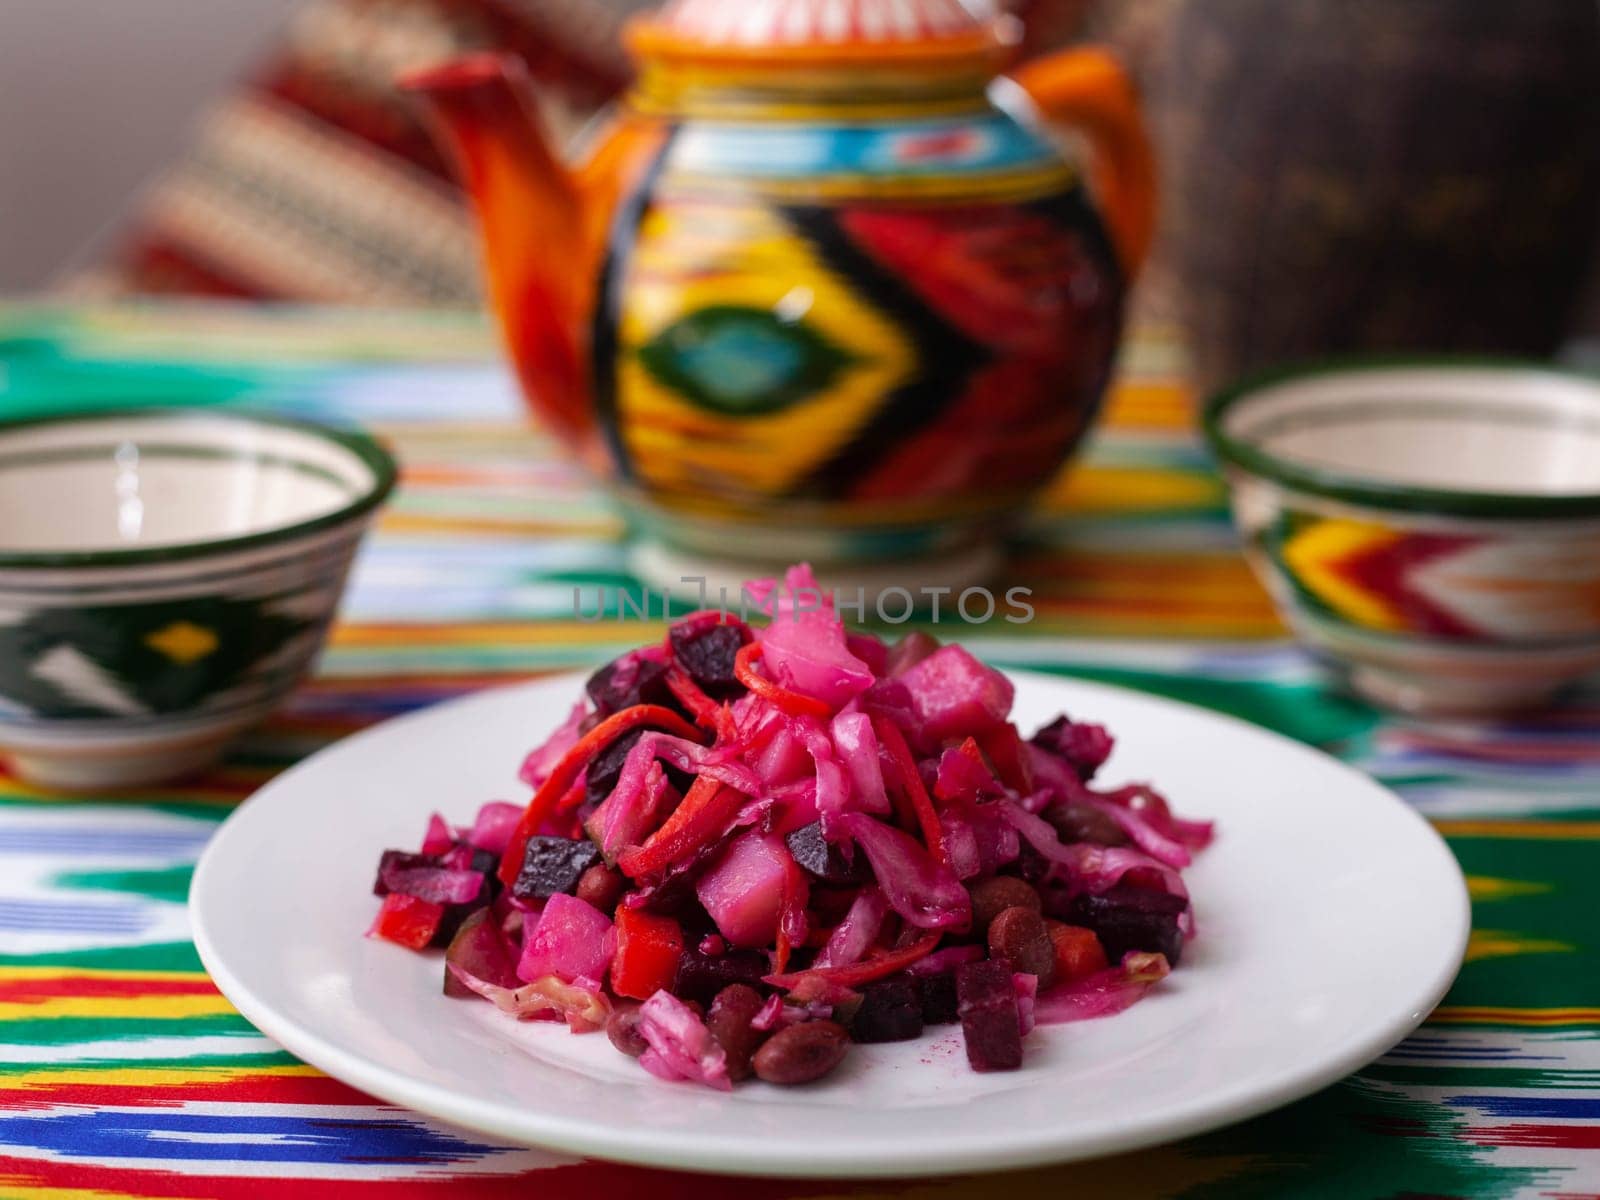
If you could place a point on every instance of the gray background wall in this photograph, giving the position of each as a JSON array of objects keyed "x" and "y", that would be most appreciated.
[{"x": 94, "y": 96}]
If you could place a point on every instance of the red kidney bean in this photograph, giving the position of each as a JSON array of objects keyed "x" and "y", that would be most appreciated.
[
  {"x": 622, "y": 1027},
  {"x": 729, "y": 1020},
  {"x": 1084, "y": 823},
  {"x": 802, "y": 1053},
  {"x": 993, "y": 896},
  {"x": 601, "y": 886},
  {"x": 1018, "y": 935}
]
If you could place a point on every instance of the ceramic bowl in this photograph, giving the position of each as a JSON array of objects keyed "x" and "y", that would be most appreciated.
[
  {"x": 1430, "y": 527},
  {"x": 166, "y": 577}
]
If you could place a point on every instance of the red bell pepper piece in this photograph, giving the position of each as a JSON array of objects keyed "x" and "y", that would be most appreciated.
[
  {"x": 565, "y": 773},
  {"x": 793, "y": 703},
  {"x": 407, "y": 920},
  {"x": 894, "y": 744},
  {"x": 648, "y": 949},
  {"x": 702, "y": 815}
]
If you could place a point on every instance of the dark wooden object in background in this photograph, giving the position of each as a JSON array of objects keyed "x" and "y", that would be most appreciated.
[{"x": 1347, "y": 176}]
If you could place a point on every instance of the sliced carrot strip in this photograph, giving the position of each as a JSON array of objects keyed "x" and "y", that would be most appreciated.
[
  {"x": 573, "y": 797},
  {"x": 1005, "y": 750},
  {"x": 796, "y": 893},
  {"x": 793, "y": 703},
  {"x": 855, "y": 974},
  {"x": 565, "y": 773},
  {"x": 894, "y": 743},
  {"x": 701, "y": 706},
  {"x": 705, "y": 809}
]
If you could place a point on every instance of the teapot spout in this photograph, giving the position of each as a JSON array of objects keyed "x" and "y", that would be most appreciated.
[{"x": 531, "y": 219}]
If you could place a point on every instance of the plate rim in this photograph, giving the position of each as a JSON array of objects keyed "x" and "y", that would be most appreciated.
[{"x": 556, "y": 1133}]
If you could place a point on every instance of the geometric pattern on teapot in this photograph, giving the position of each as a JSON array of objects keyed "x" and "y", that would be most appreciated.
[{"x": 910, "y": 318}]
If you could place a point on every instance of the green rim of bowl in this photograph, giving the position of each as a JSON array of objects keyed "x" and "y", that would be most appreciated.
[
  {"x": 1353, "y": 489},
  {"x": 372, "y": 455}
]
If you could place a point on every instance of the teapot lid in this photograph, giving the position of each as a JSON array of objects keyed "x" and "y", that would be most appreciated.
[{"x": 809, "y": 31}]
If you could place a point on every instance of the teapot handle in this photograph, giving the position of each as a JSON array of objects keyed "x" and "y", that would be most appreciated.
[{"x": 1088, "y": 89}]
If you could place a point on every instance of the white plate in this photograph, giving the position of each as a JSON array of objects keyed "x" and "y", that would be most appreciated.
[{"x": 1331, "y": 919}]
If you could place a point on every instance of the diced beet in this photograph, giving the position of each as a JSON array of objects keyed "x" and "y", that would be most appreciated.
[
  {"x": 709, "y": 660},
  {"x": 627, "y": 681},
  {"x": 1152, "y": 934},
  {"x": 891, "y": 1011},
  {"x": 939, "y": 998},
  {"x": 983, "y": 983},
  {"x": 986, "y": 1000},
  {"x": 552, "y": 865},
  {"x": 824, "y": 859},
  {"x": 954, "y": 695},
  {"x": 743, "y": 888},
  {"x": 705, "y": 647},
  {"x": 701, "y": 976},
  {"x": 1132, "y": 918},
  {"x": 391, "y": 861},
  {"x": 436, "y": 884},
  {"x": 483, "y": 951},
  {"x": 602, "y": 775},
  {"x": 1082, "y": 746},
  {"x": 606, "y": 768},
  {"x": 464, "y": 856},
  {"x": 1139, "y": 899}
]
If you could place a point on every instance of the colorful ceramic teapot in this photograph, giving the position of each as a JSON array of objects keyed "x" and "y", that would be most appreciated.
[{"x": 823, "y": 287}]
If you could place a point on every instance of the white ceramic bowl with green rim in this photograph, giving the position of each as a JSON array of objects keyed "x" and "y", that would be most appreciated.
[
  {"x": 166, "y": 577},
  {"x": 1432, "y": 527}
]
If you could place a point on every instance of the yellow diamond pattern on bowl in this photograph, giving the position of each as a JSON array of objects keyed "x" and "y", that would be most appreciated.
[{"x": 183, "y": 642}]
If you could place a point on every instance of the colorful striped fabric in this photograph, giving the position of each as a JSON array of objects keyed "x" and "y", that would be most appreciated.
[{"x": 127, "y": 1074}]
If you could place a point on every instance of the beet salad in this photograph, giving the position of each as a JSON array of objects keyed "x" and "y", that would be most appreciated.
[{"x": 748, "y": 848}]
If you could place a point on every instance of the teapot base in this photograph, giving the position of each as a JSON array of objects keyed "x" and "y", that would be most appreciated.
[{"x": 885, "y": 587}]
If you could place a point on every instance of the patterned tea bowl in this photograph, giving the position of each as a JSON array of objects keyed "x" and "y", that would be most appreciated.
[
  {"x": 1430, "y": 527},
  {"x": 166, "y": 577}
]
